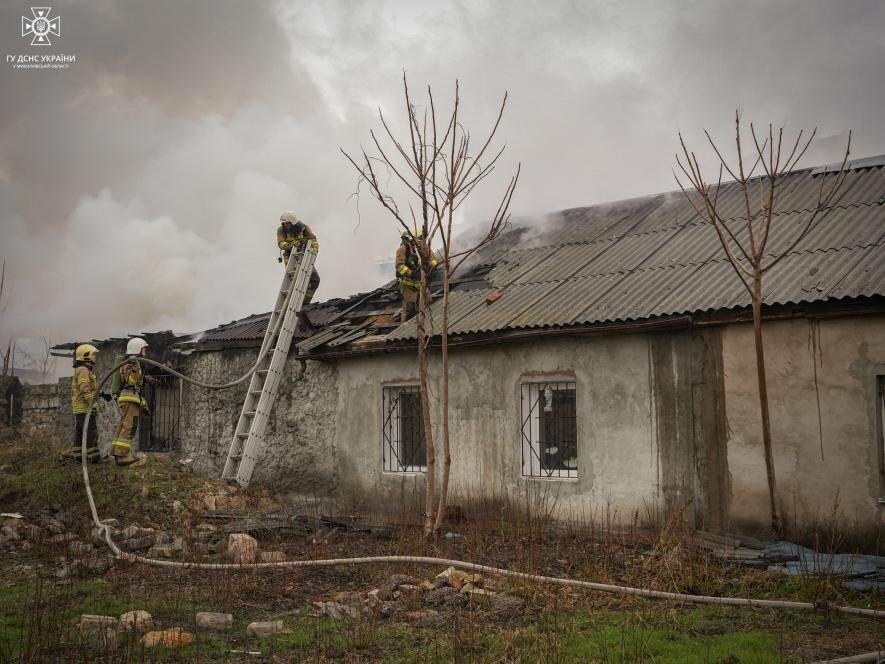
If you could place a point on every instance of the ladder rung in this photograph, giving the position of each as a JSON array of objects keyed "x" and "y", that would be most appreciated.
[
  {"x": 243, "y": 435},
  {"x": 250, "y": 413}
]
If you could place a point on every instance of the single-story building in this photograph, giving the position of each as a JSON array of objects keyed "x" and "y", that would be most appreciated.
[{"x": 612, "y": 372}]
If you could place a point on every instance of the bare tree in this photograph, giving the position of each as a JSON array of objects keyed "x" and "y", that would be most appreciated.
[
  {"x": 436, "y": 170},
  {"x": 746, "y": 252}
]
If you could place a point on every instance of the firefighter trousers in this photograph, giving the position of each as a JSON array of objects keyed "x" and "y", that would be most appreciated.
[
  {"x": 125, "y": 438},
  {"x": 92, "y": 453}
]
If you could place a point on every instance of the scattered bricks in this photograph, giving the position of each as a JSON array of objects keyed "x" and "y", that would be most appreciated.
[
  {"x": 265, "y": 629},
  {"x": 135, "y": 531},
  {"x": 98, "y": 632},
  {"x": 162, "y": 551},
  {"x": 242, "y": 548},
  {"x": 78, "y": 548},
  {"x": 136, "y": 621},
  {"x": 338, "y": 611},
  {"x": 271, "y": 556},
  {"x": 53, "y": 525},
  {"x": 62, "y": 539},
  {"x": 136, "y": 543},
  {"x": 174, "y": 637},
  {"x": 216, "y": 621},
  {"x": 458, "y": 579},
  {"x": 10, "y": 533},
  {"x": 93, "y": 564},
  {"x": 506, "y": 604},
  {"x": 394, "y": 582},
  {"x": 112, "y": 523},
  {"x": 429, "y": 618},
  {"x": 446, "y": 597},
  {"x": 477, "y": 595}
]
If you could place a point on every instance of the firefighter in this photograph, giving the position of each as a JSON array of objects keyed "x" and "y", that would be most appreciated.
[
  {"x": 408, "y": 272},
  {"x": 131, "y": 381},
  {"x": 82, "y": 392},
  {"x": 293, "y": 234}
]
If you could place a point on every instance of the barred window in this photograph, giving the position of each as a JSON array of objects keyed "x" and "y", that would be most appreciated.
[
  {"x": 403, "y": 448},
  {"x": 549, "y": 430}
]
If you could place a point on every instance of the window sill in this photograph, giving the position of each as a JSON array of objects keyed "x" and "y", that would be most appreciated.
[{"x": 554, "y": 478}]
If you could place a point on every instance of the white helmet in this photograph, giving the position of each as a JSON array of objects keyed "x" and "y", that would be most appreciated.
[
  {"x": 291, "y": 217},
  {"x": 135, "y": 346}
]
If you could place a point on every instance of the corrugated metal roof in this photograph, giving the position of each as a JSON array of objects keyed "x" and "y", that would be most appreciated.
[
  {"x": 653, "y": 257},
  {"x": 635, "y": 259}
]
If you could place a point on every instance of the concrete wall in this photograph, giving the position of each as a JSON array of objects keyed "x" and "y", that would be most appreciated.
[
  {"x": 663, "y": 420},
  {"x": 40, "y": 405},
  {"x": 826, "y": 437},
  {"x": 617, "y": 456},
  {"x": 302, "y": 457}
]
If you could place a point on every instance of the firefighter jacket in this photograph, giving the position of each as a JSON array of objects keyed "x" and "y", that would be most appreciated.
[
  {"x": 408, "y": 266},
  {"x": 82, "y": 390},
  {"x": 132, "y": 380},
  {"x": 295, "y": 237}
]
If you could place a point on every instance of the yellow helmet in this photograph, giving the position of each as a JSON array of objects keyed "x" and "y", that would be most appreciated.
[{"x": 85, "y": 353}]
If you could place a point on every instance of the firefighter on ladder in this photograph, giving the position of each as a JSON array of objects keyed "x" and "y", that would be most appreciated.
[
  {"x": 292, "y": 235},
  {"x": 131, "y": 383},
  {"x": 82, "y": 391},
  {"x": 408, "y": 271}
]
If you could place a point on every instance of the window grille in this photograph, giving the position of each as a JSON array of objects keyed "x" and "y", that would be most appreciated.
[
  {"x": 549, "y": 430},
  {"x": 159, "y": 427},
  {"x": 403, "y": 447}
]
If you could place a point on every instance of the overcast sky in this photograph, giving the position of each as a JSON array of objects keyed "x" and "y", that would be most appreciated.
[{"x": 140, "y": 188}]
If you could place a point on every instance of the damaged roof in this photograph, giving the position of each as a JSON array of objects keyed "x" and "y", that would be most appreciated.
[{"x": 627, "y": 261}]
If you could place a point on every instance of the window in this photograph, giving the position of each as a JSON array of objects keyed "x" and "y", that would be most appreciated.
[
  {"x": 549, "y": 430},
  {"x": 403, "y": 448}
]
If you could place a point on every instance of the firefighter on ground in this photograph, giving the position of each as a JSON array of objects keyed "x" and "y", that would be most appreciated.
[
  {"x": 83, "y": 386},
  {"x": 131, "y": 382},
  {"x": 408, "y": 271},
  {"x": 292, "y": 235}
]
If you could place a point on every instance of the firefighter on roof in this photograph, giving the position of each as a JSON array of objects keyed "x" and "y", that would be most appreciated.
[
  {"x": 408, "y": 271},
  {"x": 292, "y": 235}
]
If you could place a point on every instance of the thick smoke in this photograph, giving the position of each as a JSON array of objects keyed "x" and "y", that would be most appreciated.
[{"x": 140, "y": 188}]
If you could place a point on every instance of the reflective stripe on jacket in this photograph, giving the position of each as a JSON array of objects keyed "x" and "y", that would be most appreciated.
[
  {"x": 82, "y": 390},
  {"x": 132, "y": 379}
]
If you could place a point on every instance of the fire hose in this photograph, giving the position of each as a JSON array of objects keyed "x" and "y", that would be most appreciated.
[{"x": 415, "y": 560}]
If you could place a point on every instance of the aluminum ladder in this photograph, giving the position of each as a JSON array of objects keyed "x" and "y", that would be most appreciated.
[{"x": 249, "y": 435}]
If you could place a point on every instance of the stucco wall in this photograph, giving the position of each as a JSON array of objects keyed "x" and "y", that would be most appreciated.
[
  {"x": 617, "y": 456},
  {"x": 820, "y": 453},
  {"x": 660, "y": 418}
]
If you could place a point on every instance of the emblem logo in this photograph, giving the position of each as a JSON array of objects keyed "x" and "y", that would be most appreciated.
[{"x": 41, "y": 26}]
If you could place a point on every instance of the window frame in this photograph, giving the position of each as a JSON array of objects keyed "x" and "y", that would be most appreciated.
[
  {"x": 531, "y": 394},
  {"x": 392, "y": 440}
]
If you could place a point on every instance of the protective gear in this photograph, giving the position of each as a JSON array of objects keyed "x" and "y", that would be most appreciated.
[
  {"x": 135, "y": 346},
  {"x": 85, "y": 353},
  {"x": 83, "y": 386},
  {"x": 408, "y": 265},
  {"x": 289, "y": 217},
  {"x": 292, "y": 238},
  {"x": 410, "y": 301},
  {"x": 82, "y": 390},
  {"x": 130, "y": 403}
]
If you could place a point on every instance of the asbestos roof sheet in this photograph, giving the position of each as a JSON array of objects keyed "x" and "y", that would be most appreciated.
[{"x": 638, "y": 259}]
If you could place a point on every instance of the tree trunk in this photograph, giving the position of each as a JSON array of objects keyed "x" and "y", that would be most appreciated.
[
  {"x": 447, "y": 458},
  {"x": 423, "y": 343},
  {"x": 763, "y": 399}
]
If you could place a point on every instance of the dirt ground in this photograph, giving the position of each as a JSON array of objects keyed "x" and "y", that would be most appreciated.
[{"x": 53, "y": 571}]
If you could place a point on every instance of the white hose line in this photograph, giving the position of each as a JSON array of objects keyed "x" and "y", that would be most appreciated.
[
  {"x": 877, "y": 656},
  {"x": 417, "y": 560}
]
